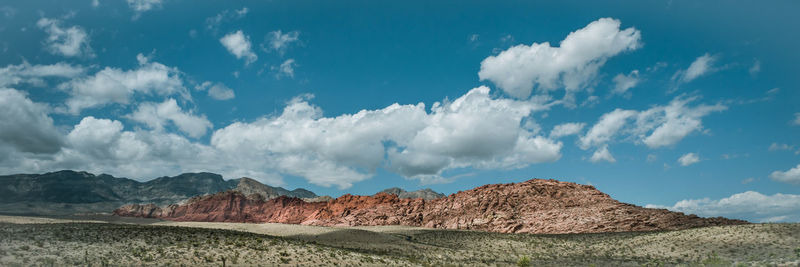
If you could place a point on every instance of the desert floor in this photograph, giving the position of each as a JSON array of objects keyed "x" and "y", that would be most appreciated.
[{"x": 108, "y": 240}]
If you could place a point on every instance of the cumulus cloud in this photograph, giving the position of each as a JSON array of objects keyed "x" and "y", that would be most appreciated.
[
  {"x": 655, "y": 127},
  {"x": 66, "y": 41},
  {"x": 25, "y": 125},
  {"x": 791, "y": 176},
  {"x": 573, "y": 65},
  {"x": 157, "y": 115},
  {"x": 474, "y": 130},
  {"x": 36, "y": 74},
  {"x": 279, "y": 41},
  {"x": 701, "y": 66},
  {"x": 624, "y": 82},
  {"x": 602, "y": 154},
  {"x": 112, "y": 85},
  {"x": 688, "y": 159},
  {"x": 239, "y": 45},
  {"x": 103, "y": 145},
  {"x": 669, "y": 124},
  {"x": 286, "y": 69},
  {"x": 567, "y": 129},
  {"x": 606, "y": 128},
  {"x": 217, "y": 91},
  {"x": 750, "y": 205}
]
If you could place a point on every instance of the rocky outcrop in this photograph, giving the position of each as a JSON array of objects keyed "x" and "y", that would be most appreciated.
[
  {"x": 426, "y": 194},
  {"x": 534, "y": 206}
]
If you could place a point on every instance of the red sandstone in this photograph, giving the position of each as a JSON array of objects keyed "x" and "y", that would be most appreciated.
[{"x": 534, "y": 206}]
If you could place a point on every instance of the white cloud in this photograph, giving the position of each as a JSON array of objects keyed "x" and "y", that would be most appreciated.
[
  {"x": 69, "y": 42},
  {"x": 213, "y": 23},
  {"x": 103, "y": 146},
  {"x": 701, "y": 66},
  {"x": 655, "y": 127},
  {"x": 688, "y": 159},
  {"x": 278, "y": 41},
  {"x": 239, "y": 45},
  {"x": 156, "y": 115},
  {"x": 221, "y": 92},
  {"x": 602, "y": 154},
  {"x": 624, "y": 82},
  {"x": 573, "y": 65},
  {"x": 750, "y": 205},
  {"x": 25, "y": 125},
  {"x": 144, "y": 5},
  {"x": 95, "y": 136},
  {"x": 286, "y": 69},
  {"x": 474, "y": 130},
  {"x": 756, "y": 68},
  {"x": 791, "y": 176},
  {"x": 777, "y": 147},
  {"x": 606, "y": 128},
  {"x": 670, "y": 124},
  {"x": 112, "y": 85},
  {"x": 35, "y": 74},
  {"x": 566, "y": 129},
  {"x": 217, "y": 91},
  {"x": 796, "y": 120}
]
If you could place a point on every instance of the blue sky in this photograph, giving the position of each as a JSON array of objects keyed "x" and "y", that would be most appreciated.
[{"x": 680, "y": 104}]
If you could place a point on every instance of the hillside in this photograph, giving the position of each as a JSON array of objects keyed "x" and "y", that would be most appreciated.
[{"x": 534, "y": 206}]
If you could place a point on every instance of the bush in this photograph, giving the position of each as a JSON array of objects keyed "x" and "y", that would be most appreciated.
[{"x": 524, "y": 261}]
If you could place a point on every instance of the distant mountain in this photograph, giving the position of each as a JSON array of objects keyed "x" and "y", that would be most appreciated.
[
  {"x": 67, "y": 192},
  {"x": 426, "y": 194},
  {"x": 248, "y": 186},
  {"x": 534, "y": 206}
]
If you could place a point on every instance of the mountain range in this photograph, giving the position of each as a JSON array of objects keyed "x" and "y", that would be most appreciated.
[
  {"x": 68, "y": 192},
  {"x": 534, "y": 206}
]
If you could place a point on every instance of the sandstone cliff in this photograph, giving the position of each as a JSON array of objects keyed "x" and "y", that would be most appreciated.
[{"x": 534, "y": 206}]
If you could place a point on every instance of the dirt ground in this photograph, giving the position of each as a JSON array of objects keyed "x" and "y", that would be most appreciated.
[{"x": 110, "y": 240}]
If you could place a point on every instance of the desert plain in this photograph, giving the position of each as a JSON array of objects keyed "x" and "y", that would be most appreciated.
[{"x": 105, "y": 240}]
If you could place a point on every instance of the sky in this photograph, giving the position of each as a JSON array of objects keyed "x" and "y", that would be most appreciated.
[{"x": 685, "y": 105}]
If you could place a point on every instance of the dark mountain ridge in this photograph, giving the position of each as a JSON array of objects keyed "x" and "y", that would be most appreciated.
[
  {"x": 66, "y": 192},
  {"x": 426, "y": 194}
]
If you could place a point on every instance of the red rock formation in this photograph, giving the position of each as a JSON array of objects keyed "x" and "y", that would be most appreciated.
[{"x": 534, "y": 206}]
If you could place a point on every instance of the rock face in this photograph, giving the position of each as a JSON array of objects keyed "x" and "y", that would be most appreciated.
[
  {"x": 534, "y": 206},
  {"x": 67, "y": 192},
  {"x": 426, "y": 194},
  {"x": 248, "y": 186}
]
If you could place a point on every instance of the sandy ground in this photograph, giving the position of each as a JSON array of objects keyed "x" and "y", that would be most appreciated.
[
  {"x": 357, "y": 234},
  {"x": 753, "y": 244}
]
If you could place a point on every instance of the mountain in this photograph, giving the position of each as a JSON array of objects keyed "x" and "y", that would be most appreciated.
[
  {"x": 534, "y": 206},
  {"x": 426, "y": 194},
  {"x": 67, "y": 192},
  {"x": 248, "y": 186}
]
